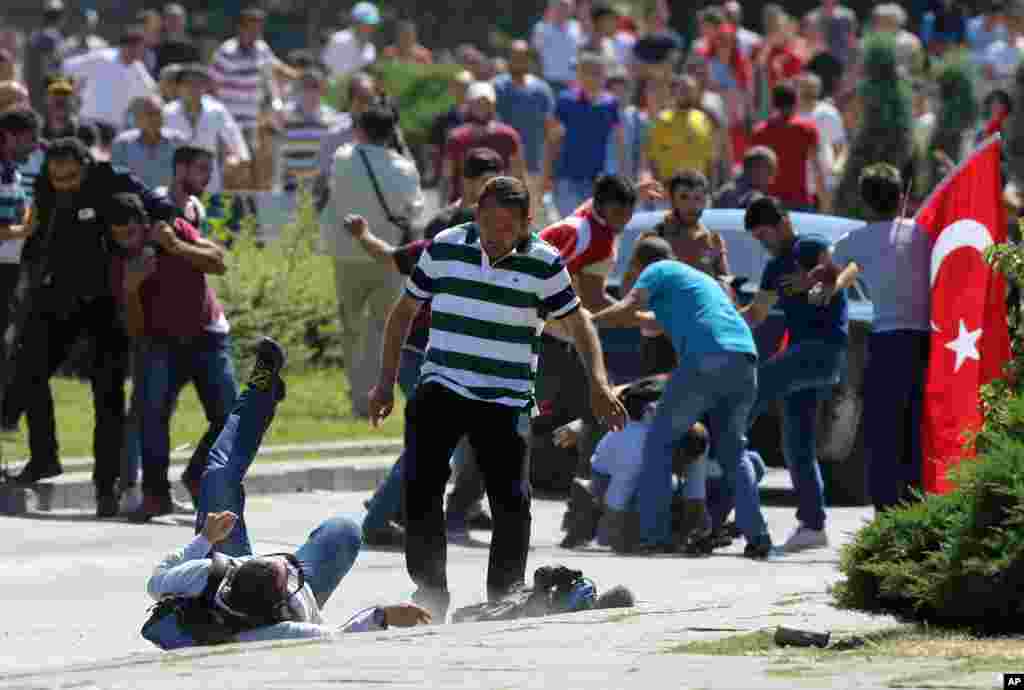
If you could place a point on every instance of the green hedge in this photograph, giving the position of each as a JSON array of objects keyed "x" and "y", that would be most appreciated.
[
  {"x": 421, "y": 91},
  {"x": 285, "y": 290}
]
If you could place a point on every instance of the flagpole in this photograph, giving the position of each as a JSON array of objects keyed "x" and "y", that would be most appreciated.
[{"x": 994, "y": 139}]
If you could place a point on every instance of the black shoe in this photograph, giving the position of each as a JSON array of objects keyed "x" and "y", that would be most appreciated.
[
  {"x": 265, "y": 376},
  {"x": 106, "y": 505},
  {"x": 698, "y": 545},
  {"x": 33, "y": 473},
  {"x": 389, "y": 536},
  {"x": 760, "y": 551}
]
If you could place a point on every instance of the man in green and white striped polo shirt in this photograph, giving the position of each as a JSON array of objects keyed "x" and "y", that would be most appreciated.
[{"x": 492, "y": 286}]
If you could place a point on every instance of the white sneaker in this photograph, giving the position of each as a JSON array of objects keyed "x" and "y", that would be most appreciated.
[
  {"x": 131, "y": 500},
  {"x": 804, "y": 539}
]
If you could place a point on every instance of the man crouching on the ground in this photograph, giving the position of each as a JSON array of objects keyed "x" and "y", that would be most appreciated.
[{"x": 206, "y": 597}]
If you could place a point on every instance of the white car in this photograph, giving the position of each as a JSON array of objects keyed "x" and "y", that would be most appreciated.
[{"x": 840, "y": 442}]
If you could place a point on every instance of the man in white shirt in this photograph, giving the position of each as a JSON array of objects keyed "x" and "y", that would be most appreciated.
[
  {"x": 831, "y": 132},
  {"x": 365, "y": 291},
  {"x": 557, "y": 39},
  {"x": 109, "y": 80},
  {"x": 206, "y": 123},
  {"x": 351, "y": 49}
]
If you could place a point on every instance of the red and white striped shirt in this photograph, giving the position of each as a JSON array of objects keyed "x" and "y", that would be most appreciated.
[{"x": 587, "y": 244}]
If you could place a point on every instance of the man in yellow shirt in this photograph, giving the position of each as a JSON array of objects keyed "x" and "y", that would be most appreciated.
[{"x": 680, "y": 138}]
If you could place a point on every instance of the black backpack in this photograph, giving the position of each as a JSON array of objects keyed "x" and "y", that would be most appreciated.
[{"x": 200, "y": 617}]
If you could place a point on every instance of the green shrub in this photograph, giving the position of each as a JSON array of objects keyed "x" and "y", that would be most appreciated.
[
  {"x": 421, "y": 92},
  {"x": 285, "y": 290}
]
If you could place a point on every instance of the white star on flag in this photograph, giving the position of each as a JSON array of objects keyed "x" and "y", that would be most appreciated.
[{"x": 965, "y": 346}]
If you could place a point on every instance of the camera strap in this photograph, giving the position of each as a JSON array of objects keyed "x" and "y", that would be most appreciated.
[{"x": 400, "y": 223}]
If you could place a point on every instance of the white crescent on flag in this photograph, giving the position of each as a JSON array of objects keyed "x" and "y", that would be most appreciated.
[{"x": 962, "y": 233}]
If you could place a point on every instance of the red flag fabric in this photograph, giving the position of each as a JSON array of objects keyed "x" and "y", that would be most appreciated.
[{"x": 970, "y": 342}]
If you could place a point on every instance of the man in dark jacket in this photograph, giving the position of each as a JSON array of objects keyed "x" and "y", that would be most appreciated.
[{"x": 68, "y": 253}]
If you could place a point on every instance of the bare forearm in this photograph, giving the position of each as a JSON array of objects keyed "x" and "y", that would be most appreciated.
[
  {"x": 377, "y": 248},
  {"x": 618, "y": 315},
  {"x": 589, "y": 346},
  {"x": 14, "y": 232},
  {"x": 206, "y": 258},
  {"x": 847, "y": 276},
  {"x": 395, "y": 331}
]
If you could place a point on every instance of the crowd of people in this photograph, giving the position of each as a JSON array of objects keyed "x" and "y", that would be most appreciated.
[{"x": 545, "y": 156}]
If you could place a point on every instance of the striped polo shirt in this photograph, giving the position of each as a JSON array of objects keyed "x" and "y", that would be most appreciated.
[
  {"x": 242, "y": 77},
  {"x": 12, "y": 210},
  {"x": 30, "y": 170},
  {"x": 303, "y": 137},
  {"x": 487, "y": 318}
]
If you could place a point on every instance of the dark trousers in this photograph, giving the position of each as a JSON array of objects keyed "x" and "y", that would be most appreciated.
[
  {"x": 893, "y": 401},
  {"x": 9, "y": 276},
  {"x": 46, "y": 341},
  {"x": 435, "y": 419},
  {"x": 563, "y": 388}
]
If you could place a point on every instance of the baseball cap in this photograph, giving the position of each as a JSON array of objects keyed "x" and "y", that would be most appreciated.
[
  {"x": 481, "y": 89},
  {"x": 480, "y": 161},
  {"x": 365, "y": 13}
]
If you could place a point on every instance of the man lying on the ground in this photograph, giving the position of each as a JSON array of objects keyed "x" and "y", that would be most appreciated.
[{"x": 215, "y": 591}]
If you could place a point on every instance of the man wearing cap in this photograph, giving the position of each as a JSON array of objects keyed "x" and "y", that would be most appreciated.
[
  {"x": 364, "y": 291},
  {"x": 147, "y": 150},
  {"x": 176, "y": 48},
  {"x": 61, "y": 111},
  {"x": 307, "y": 122},
  {"x": 481, "y": 130},
  {"x": 810, "y": 365},
  {"x": 42, "y": 54},
  {"x": 351, "y": 49},
  {"x": 109, "y": 80},
  {"x": 71, "y": 294},
  {"x": 205, "y": 122}
]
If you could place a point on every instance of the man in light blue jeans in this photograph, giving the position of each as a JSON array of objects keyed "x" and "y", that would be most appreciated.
[
  {"x": 716, "y": 376},
  {"x": 811, "y": 364},
  {"x": 273, "y": 597}
]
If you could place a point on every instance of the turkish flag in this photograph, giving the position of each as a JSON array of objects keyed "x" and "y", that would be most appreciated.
[{"x": 970, "y": 342}]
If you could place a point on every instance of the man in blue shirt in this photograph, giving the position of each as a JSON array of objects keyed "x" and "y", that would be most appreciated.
[
  {"x": 716, "y": 376},
  {"x": 588, "y": 116},
  {"x": 810, "y": 365}
]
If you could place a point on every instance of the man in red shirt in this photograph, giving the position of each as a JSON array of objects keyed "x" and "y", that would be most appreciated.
[
  {"x": 481, "y": 130},
  {"x": 795, "y": 141},
  {"x": 160, "y": 279}
]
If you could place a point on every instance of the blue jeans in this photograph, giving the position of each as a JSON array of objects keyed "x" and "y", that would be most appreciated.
[
  {"x": 721, "y": 499},
  {"x": 801, "y": 376},
  {"x": 386, "y": 501},
  {"x": 569, "y": 194},
  {"x": 165, "y": 368},
  {"x": 724, "y": 387},
  {"x": 893, "y": 402}
]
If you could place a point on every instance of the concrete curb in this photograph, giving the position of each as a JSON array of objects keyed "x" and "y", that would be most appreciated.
[{"x": 74, "y": 491}]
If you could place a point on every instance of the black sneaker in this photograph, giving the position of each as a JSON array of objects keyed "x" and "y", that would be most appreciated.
[
  {"x": 152, "y": 506},
  {"x": 270, "y": 359},
  {"x": 389, "y": 536},
  {"x": 760, "y": 551},
  {"x": 33, "y": 473},
  {"x": 106, "y": 505}
]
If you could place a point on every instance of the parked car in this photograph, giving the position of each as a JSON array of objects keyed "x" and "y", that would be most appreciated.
[{"x": 840, "y": 429}]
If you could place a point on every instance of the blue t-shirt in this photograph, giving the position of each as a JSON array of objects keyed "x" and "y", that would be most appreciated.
[
  {"x": 694, "y": 310},
  {"x": 526, "y": 109},
  {"x": 588, "y": 127},
  {"x": 806, "y": 321}
]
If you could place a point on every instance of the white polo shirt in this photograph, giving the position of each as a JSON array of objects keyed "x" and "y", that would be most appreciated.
[{"x": 108, "y": 85}]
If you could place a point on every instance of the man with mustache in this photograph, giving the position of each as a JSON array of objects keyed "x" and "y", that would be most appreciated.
[{"x": 70, "y": 292}]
